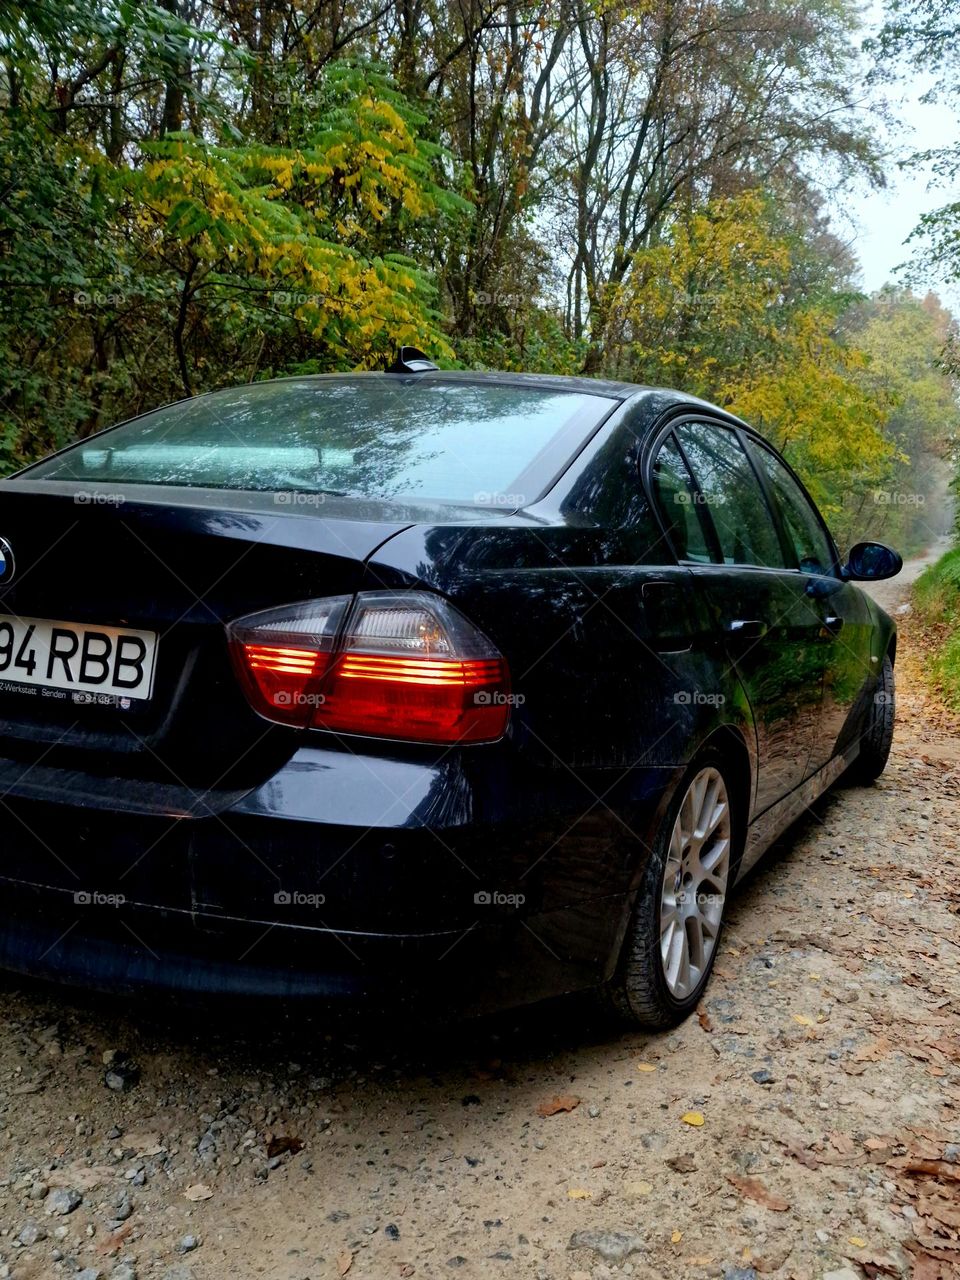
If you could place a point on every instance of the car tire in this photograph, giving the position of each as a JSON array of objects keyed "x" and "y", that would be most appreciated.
[
  {"x": 649, "y": 989},
  {"x": 877, "y": 736}
]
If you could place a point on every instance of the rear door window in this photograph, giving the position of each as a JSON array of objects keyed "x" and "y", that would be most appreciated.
[
  {"x": 810, "y": 543},
  {"x": 732, "y": 495},
  {"x": 680, "y": 504}
]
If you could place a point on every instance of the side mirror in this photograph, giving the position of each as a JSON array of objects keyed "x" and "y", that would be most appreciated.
[{"x": 872, "y": 561}]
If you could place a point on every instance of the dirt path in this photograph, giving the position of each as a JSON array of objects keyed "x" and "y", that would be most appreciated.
[{"x": 825, "y": 1067}]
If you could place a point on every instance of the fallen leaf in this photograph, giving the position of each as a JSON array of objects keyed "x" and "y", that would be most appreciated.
[
  {"x": 83, "y": 1177},
  {"x": 874, "y": 1051},
  {"x": 854, "y": 1068},
  {"x": 561, "y": 1102},
  {"x": 344, "y": 1262},
  {"x": 634, "y": 1189},
  {"x": 704, "y": 1018},
  {"x": 938, "y": 1210},
  {"x": 676, "y": 1237},
  {"x": 279, "y": 1144},
  {"x": 143, "y": 1142},
  {"x": 936, "y": 1168},
  {"x": 692, "y": 1118},
  {"x": 842, "y": 1142},
  {"x": 406, "y": 1270},
  {"x": 646, "y": 1066},
  {"x": 857, "y": 1241},
  {"x": 199, "y": 1191},
  {"x": 753, "y": 1189},
  {"x": 806, "y": 1158},
  {"x": 579, "y": 1193},
  {"x": 801, "y": 1020},
  {"x": 115, "y": 1239},
  {"x": 682, "y": 1164}
]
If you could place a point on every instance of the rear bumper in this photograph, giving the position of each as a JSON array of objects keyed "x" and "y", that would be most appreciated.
[
  {"x": 141, "y": 952},
  {"x": 344, "y": 877}
]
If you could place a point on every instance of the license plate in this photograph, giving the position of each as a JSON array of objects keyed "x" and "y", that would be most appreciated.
[{"x": 108, "y": 663}]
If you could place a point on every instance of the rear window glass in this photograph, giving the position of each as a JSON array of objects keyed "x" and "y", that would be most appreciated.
[{"x": 377, "y": 437}]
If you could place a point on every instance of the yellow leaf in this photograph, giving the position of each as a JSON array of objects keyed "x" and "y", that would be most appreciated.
[
  {"x": 638, "y": 1188},
  {"x": 858, "y": 1242},
  {"x": 646, "y": 1066},
  {"x": 692, "y": 1117},
  {"x": 579, "y": 1193},
  {"x": 801, "y": 1020},
  {"x": 676, "y": 1237}
]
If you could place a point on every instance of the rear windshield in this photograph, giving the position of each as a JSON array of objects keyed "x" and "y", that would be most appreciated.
[{"x": 375, "y": 437}]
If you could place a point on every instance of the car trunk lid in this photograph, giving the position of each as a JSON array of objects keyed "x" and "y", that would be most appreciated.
[{"x": 178, "y": 565}]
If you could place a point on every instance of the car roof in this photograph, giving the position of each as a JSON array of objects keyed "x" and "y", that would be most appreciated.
[
  {"x": 613, "y": 388},
  {"x": 609, "y": 387}
]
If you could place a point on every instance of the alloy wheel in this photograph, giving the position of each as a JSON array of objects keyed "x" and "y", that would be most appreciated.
[{"x": 694, "y": 887}]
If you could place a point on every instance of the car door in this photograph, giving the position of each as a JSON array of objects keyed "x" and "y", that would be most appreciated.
[
  {"x": 769, "y": 626},
  {"x": 845, "y": 623}
]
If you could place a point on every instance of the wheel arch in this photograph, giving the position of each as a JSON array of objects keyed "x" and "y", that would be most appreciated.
[{"x": 730, "y": 743}]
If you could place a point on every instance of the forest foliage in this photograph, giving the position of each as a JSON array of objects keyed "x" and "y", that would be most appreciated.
[{"x": 194, "y": 194}]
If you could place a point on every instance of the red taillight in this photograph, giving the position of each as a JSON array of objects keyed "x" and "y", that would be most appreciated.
[
  {"x": 282, "y": 655},
  {"x": 447, "y": 700},
  {"x": 402, "y": 665}
]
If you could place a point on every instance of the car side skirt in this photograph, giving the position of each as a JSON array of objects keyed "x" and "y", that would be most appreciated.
[{"x": 765, "y": 829}]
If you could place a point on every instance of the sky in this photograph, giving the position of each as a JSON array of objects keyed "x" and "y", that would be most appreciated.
[{"x": 878, "y": 222}]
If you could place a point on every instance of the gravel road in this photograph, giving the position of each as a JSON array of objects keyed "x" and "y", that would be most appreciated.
[{"x": 805, "y": 1125}]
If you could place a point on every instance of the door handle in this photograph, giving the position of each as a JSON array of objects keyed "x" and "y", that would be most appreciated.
[{"x": 746, "y": 629}]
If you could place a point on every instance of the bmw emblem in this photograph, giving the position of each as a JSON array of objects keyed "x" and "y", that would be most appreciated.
[{"x": 7, "y": 564}]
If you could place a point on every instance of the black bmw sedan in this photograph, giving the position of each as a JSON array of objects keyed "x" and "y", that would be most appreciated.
[{"x": 471, "y": 689}]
